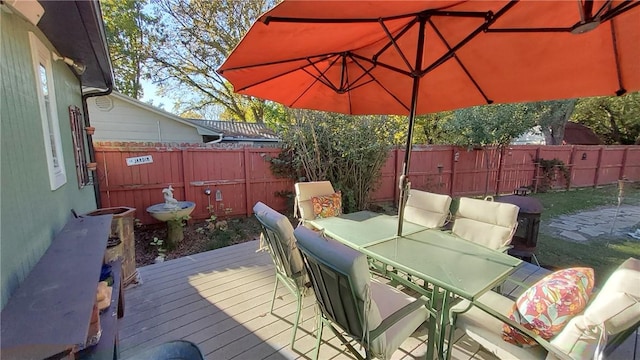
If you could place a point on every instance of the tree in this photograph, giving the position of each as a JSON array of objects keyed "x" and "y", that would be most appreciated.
[
  {"x": 489, "y": 124},
  {"x": 194, "y": 38},
  {"x": 616, "y": 119},
  {"x": 347, "y": 150},
  {"x": 552, "y": 116},
  {"x": 129, "y": 42}
]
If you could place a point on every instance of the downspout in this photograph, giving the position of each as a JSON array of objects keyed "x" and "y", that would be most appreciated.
[{"x": 92, "y": 152}]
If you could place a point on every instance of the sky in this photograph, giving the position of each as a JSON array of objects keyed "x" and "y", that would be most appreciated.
[{"x": 150, "y": 96}]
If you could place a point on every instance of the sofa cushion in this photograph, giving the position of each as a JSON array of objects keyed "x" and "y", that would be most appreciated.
[
  {"x": 327, "y": 205},
  {"x": 547, "y": 306}
]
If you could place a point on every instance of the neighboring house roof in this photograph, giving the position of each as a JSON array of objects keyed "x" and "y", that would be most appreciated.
[
  {"x": 578, "y": 134},
  {"x": 239, "y": 131},
  {"x": 202, "y": 130},
  {"x": 76, "y": 30}
]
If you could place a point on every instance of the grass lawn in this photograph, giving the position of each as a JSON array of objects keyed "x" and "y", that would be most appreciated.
[{"x": 595, "y": 253}]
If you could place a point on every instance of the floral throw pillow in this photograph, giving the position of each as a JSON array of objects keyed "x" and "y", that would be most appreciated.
[
  {"x": 327, "y": 205},
  {"x": 547, "y": 306}
]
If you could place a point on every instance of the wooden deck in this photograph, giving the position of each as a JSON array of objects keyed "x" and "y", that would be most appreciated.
[{"x": 220, "y": 301}]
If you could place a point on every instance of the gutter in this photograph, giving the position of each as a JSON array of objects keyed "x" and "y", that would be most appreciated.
[
  {"x": 92, "y": 151},
  {"x": 109, "y": 88}
]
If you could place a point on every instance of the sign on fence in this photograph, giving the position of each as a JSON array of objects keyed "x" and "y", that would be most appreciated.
[{"x": 139, "y": 160}]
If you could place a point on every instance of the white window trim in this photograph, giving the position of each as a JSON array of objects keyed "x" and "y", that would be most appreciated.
[{"x": 42, "y": 56}]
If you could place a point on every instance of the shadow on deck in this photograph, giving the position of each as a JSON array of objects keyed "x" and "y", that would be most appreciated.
[{"x": 220, "y": 301}]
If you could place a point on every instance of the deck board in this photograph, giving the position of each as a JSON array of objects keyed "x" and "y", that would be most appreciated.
[{"x": 220, "y": 300}]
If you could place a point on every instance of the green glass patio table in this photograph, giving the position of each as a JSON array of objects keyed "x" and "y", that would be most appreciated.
[{"x": 450, "y": 267}]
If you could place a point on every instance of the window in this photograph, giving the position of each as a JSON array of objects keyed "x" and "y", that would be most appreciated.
[{"x": 48, "y": 112}]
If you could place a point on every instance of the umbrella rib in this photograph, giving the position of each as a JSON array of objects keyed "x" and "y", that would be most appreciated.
[
  {"x": 365, "y": 73},
  {"x": 320, "y": 77},
  {"x": 393, "y": 42},
  {"x": 528, "y": 30},
  {"x": 322, "y": 81},
  {"x": 606, "y": 5},
  {"x": 285, "y": 19},
  {"x": 381, "y": 64},
  {"x": 399, "y": 35},
  {"x": 488, "y": 21},
  {"x": 614, "y": 42},
  {"x": 373, "y": 78},
  {"x": 618, "y": 10},
  {"x": 323, "y": 57},
  {"x": 464, "y": 68},
  {"x": 320, "y": 57}
]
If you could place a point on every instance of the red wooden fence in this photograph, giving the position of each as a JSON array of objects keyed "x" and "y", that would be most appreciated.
[{"x": 241, "y": 176}]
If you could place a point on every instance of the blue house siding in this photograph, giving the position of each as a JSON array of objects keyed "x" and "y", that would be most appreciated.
[{"x": 31, "y": 213}]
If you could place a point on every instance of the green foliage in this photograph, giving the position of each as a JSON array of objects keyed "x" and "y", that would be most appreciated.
[
  {"x": 346, "y": 150},
  {"x": 126, "y": 26},
  {"x": 595, "y": 253},
  {"x": 488, "y": 125},
  {"x": 552, "y": 116},
  {"x": 550, "y": 170},
  {"x": 616, "y": 119},
  {"x": 193, "y": 39},
  {"x": 160, "y": 247}
]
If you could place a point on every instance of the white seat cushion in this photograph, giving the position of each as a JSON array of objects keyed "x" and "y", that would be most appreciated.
[
  {"x": 487, "y": 330},
  {"x": 390, "y": 300},
  {"x": 427, "y": 209},
  {"x": 305, "y": 191},
  {"x": 485, "y": 222},
  {"x": 617, "y": 304},
  {"x": 615, "y": 308}
]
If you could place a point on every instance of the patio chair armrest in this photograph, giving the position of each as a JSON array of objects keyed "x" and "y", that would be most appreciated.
[
  {"x": 505, "y": 319},
  {"x": 397, "y": 316}
]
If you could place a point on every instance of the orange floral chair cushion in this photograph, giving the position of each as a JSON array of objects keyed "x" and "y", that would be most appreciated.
[
  {"x": 547, "y": 306},
  {"x": 327, "y": 205}
]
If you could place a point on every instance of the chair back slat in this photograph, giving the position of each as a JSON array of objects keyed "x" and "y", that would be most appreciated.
[
  {"x": 276, "y": 250},
  {"x": 334, "y": 294},
  {"x": 277, "y": 232}
]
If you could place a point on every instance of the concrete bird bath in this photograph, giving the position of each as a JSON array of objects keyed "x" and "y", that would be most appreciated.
[{"x": 173, "y": 212}]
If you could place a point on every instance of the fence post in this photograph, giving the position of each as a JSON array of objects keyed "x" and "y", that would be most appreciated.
[
  {"x": 247, "y": 181},
  {"x": 597, "y": 175},
  {"x": 396, "y": 189},
  {"x": 500, "y": 169},
  {"x": 536, "y": 165},
  {"x": 571, "y": 165},
  {"x": 624, "y": 163},
  {"x": 187, "y": 172},
  {"x": 454, "y": 161}
]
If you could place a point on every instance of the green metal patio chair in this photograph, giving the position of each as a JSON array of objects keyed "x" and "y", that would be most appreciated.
[
  {"x": 277, "y": 232},
  {"x": 373, "y": 314},
  {"x": 611, "y": 317}
]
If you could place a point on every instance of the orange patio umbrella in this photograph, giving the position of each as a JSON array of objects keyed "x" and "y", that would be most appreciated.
[{"x": 418, "y": 57}]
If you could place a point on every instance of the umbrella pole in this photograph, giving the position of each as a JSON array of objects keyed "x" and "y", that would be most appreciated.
[
  {"x": 404, "y": 183},
  {"x": 404, "y": 179}
]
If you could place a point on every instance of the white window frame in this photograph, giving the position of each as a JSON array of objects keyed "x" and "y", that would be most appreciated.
[{"x": 49, "y": 115}]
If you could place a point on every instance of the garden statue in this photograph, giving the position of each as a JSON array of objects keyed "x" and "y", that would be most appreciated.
[{"x": 169, "y": 201}]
